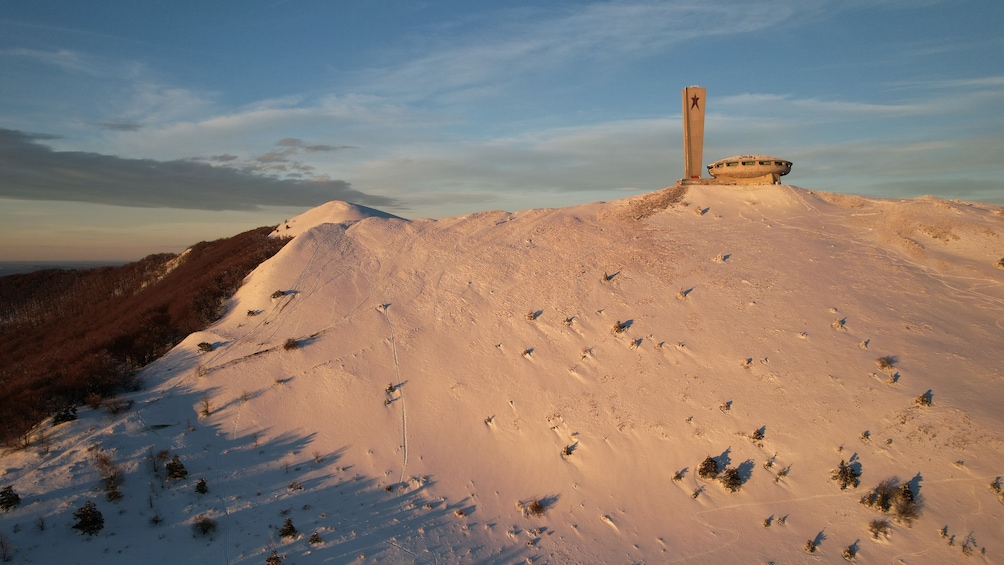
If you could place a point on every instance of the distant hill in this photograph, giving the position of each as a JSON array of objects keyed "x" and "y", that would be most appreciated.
[
  {"x": 22, "y": 267},
  {"x": 65, "y": 334},
  {"x": 711, "y": 374}
]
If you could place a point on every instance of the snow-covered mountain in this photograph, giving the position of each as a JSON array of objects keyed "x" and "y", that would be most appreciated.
[{"x": 543, "y": 386}]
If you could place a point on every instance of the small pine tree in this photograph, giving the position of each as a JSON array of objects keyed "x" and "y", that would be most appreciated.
[
  {"x": 9, "y": 499},
  {"x": 176, "y": 469},
  {"x": 846, "y": 476},
  {"x": 731, "y": 480},
  {"x": 89, "y": 519},
  {"x": 273, "y": 559},
  {"x": 201, "y": 487},
  {"x": 67, "y": 414},
  {"x": 315, "y": 539},
  {"x": 288, "y": 530},
  {"x": 708, "y": 468}
]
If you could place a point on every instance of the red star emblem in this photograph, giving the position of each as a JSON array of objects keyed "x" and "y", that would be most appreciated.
[{"x": 693, "y": 102}]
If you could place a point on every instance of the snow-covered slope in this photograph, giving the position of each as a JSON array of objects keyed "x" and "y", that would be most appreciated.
[
  {"x": 334, "y": 212},
  {"x": 414, "y": 382}
]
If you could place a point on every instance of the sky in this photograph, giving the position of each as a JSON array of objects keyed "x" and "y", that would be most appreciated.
[{"x": 129, "y": 128}]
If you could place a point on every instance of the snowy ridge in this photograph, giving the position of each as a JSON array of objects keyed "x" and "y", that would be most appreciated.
[{"x": 442, "y": 373}]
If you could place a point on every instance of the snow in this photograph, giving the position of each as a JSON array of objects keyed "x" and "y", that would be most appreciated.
[{"x": 495, "y": 331}]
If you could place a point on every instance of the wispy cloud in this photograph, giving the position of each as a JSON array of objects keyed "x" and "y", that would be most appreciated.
[
  {"x": 534, "y": 41},
  {"x": 988, "y": 82},
  {"x": 31, "y": 171},
  {"x": 818, "y": 109},
  {"x": 292, "y": 142},
  {"x": 64, "y": 59},
  {"x": 120, "y": 125}
]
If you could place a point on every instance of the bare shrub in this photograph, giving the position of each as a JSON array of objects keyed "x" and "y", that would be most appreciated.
[
  {"x": 205, "y": 407},
  {"x": 110, "y": 473},
  {"x": 290, "y": 344},
  {"x": 882, "y": 497},
  {"x": 969, "y": 545},
  {"x": 201, "y": 487},
  {"x": 157, "y": 459},
  {"x": 888, "y": 496},
  {"x": 6, "y": 548},
  {"x": 924, "y": 399},
  {"x": 112, "y": 493},
  {"x": 273, "y": 559},
  {"x": 619, "y": 327},
  {"x": 205, "y": 347},
  {"x": 849, "y": 552},
  {"x": 203, "y": 526},
  {"x": 782, "y": 474},
  {"x": 810, "y": 546},
  {"x": 315, "y": 539},
  {"x": 116, "y": 405},
  {"x": 93, "y": 400},
  {"x": 885, "y": 363},
  {"x": 879, "y": 529},
  {"x": 535, "y": 507}
]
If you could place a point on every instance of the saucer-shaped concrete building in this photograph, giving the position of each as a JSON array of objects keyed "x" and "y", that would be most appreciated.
[{"x": 750, "y": 169}]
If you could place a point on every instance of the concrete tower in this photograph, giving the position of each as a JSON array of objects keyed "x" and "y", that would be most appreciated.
[{"x": 693, "y": 131}]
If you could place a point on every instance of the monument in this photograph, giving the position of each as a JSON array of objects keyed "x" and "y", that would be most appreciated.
[
  {"x": 741, "y": 169},
  {"x": 750, "y": 169},
  {"x": 693, "y": 131}
]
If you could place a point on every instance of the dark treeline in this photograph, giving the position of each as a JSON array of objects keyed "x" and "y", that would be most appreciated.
[{"x": 66, "y": 334}]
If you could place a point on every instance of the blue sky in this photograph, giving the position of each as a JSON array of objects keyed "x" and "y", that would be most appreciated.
[{"x": 128, "y": 128}]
